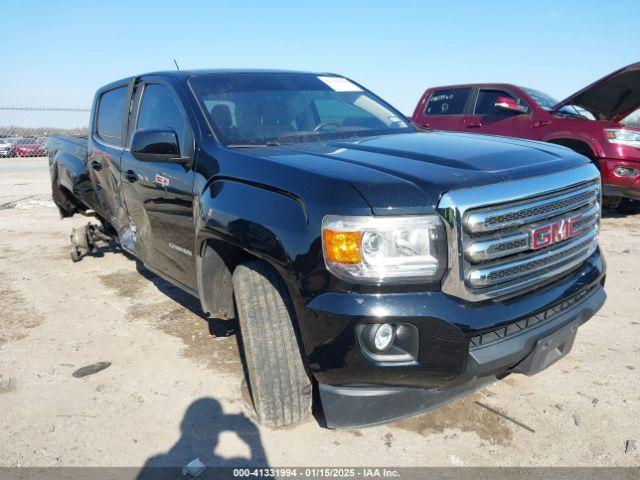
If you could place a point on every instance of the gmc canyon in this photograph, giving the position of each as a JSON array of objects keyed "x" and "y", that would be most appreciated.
[{"x": 374, "y": 267}]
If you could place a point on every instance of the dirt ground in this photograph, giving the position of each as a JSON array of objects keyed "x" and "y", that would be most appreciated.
[{"x": 172, "y": 391}]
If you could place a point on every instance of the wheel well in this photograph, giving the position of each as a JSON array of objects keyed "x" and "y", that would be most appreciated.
[
  {"x": 215, "y": 265},
  {"x": 578, "y": 146},
  {"x": 65, "y": 201}
]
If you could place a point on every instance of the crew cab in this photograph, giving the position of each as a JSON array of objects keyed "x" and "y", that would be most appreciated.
[
  {"x": 599, "y": 121},
  {"x": 375, "y": 269}
]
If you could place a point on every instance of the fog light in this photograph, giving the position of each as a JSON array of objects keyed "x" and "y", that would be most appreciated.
[
  {"x": 626, "y": 172},
  {"x": 389, "y": 344},
  {"x": 384, "y": 336}
]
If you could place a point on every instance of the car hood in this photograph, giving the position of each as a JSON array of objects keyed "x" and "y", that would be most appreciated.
[
  {"x": 407, "y": 173},
  {"x": 610, "y": 98}
]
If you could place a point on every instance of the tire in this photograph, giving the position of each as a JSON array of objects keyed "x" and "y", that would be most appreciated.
[
  {"x": 611, "y": 202},
  {"x": 280, "y": 387},
  {"x": 628, "y": 206}
]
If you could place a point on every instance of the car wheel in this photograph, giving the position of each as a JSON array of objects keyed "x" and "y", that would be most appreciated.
[
  {"x": 280, "y": 387},
  {"x": 628, "y": 206},
  {"x": 610, "y": 202}
]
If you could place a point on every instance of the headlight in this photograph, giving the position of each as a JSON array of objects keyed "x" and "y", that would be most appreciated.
[
  {"x": 384, "y": 249},
  {"x": 623, "y": 136}
]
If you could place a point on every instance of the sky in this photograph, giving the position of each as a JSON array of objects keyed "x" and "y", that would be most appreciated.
[{"x": 57, "y": 53}]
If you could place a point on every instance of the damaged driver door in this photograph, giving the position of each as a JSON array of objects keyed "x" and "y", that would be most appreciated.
[{"x": 159, "y": 195}]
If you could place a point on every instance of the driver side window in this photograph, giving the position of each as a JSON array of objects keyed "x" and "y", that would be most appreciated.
[
  {"x": 160, "y": 108},
  {"x": 485, "y": 104}
]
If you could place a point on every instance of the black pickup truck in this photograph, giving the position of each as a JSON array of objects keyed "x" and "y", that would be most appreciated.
[{"x": 375, "y": 267}]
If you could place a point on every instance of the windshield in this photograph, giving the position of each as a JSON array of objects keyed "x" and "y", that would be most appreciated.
[
  {"x": 633, "y": 119},
  {"x": 542, "y": 99},
  {"x": 249, "y": 109}
]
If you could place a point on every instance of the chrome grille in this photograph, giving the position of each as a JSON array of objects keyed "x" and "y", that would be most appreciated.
[
  {"x": 502, "y": 272},
  {"x": 515, "y": 215},
  {"x": 509, "y": 237}
]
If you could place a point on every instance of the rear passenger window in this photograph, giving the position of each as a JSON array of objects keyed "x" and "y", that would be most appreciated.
[
  {"x": 110, "y": 115},
  {"x": 485, "y": 104},
  {"x": 447, "y": 102}
]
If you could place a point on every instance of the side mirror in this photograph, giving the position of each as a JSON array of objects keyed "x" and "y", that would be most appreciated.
[
  {"x": 508, "y": 104},
  {"x": 156, "y": 145}
]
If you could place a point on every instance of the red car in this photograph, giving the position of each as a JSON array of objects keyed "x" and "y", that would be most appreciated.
[
  {"x": 29, "y": 147},
  {"x": 601, "y": 121}
]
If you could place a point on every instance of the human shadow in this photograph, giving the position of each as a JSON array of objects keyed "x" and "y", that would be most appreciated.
[{"x": 200, "y": 429}]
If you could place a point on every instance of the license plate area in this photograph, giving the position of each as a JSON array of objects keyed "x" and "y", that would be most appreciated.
[{"x": 548, "y": 350}]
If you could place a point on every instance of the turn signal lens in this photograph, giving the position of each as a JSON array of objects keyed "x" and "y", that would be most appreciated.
[{"x": 342, "y": 247}]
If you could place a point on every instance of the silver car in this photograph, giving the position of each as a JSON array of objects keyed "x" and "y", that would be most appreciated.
[{"x": 6, "y": 147}]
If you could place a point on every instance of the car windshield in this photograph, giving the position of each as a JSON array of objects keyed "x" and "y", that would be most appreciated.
[
  {"x": 633, "y": 119},
  {"x": 542, "y": 99},
  {"x": 26, "y": 141},
  {"x": 250, "y": 109}
]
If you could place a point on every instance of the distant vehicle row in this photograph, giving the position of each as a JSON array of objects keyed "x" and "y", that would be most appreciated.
[{"x": 22, "y": 147}]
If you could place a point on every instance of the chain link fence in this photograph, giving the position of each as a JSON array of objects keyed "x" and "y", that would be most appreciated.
[{"x": 24, "y": 172}]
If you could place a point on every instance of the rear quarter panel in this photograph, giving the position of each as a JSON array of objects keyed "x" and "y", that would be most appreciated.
[{"x": 67, "y": 166}]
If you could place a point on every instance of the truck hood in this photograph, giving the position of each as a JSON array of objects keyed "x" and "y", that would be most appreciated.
[
  {"x": 407, "y": 173},
  {"x": 610, "y": 98}
]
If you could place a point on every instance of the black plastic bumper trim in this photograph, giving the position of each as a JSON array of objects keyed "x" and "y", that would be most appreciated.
[
  {"x": 356, "y": 407},
  {"x": 352, "y": 406}
]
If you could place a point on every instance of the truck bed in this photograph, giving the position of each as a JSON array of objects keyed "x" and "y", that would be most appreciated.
[
  {"x": 61, "y": 140},
  {"x": 70, "y": 182}
]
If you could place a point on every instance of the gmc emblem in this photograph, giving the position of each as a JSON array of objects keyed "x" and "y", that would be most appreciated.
[{"x": 554, "y": 232}]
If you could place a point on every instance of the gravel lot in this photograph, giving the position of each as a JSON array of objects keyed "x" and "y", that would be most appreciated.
[
  {"x": 22, "y": 178},
  {"x": 173, "y": 390}
]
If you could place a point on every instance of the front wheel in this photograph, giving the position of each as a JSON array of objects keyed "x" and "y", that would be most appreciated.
[
  {"x": 280, "y": 387},
  {"x": 628, "y": 206}
]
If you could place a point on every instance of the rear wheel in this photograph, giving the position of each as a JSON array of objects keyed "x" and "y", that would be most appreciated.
[{"x": 280, "y": 387}]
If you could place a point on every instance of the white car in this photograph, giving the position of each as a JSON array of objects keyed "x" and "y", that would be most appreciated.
[{"x": 6, "y": 147}]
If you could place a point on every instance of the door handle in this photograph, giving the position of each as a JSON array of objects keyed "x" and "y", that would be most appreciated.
[
  {"x": 130, "y": 175},
  {"x": 473, "y": 125},
  {"x": 96, "y": 165}
]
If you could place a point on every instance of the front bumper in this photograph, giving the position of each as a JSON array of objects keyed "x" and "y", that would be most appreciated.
[
  {"x": 615, "y": 185},
  {"x": 457, "y": 354}
]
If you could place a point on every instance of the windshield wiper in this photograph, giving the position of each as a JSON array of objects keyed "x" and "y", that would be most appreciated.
[{"x": 253, "y": 145}]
